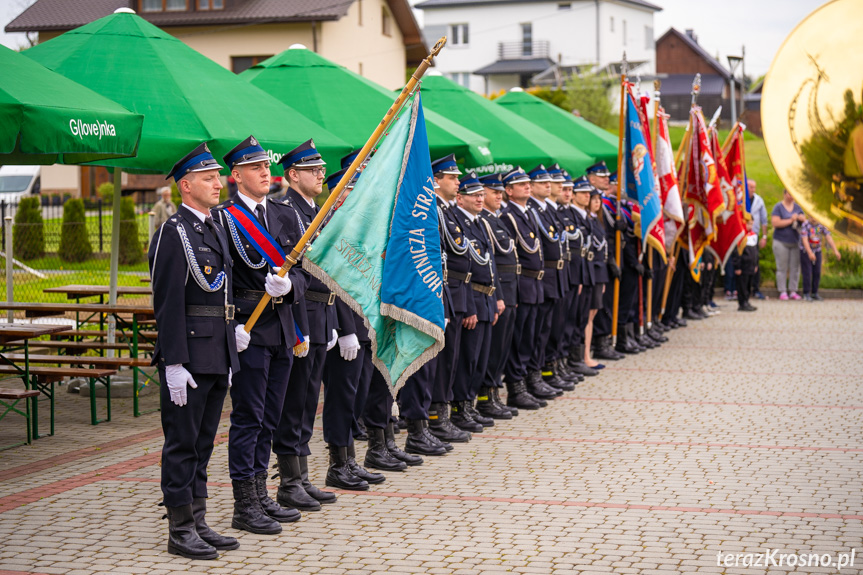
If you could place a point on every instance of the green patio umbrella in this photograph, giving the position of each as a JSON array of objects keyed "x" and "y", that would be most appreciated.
[
  {"x": 186, "y": 98},
  {"x": 587, "y": 137},
  {"x": 351, "y": 106},
  {"x": 514, "y": 140},
  {"x": 46, "y": 118}
]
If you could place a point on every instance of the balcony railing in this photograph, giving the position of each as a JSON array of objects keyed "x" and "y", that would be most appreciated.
[{"x": 521, "y": 50}]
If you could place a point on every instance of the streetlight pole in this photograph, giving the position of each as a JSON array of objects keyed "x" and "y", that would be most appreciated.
[{"x": 733, "y": 62}]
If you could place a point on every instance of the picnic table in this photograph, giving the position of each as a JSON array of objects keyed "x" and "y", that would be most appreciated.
[
  {"x": 128, "y": 318},
  {"x": 80, "y": 291},
  {"x": 16, "y": 337}
]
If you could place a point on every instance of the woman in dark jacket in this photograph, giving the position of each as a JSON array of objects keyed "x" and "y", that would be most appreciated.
[{"x": 598, "y": 255}]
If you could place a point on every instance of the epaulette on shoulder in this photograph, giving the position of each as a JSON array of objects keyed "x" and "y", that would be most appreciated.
[
  {"x": 224, "y": 205},
  {"x": 174, "y": 220}
]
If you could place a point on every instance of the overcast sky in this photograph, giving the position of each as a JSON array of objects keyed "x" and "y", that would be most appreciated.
[{"x": 722, "y": 26}]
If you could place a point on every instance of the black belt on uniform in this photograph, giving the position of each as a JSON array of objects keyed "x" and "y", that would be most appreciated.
[
  {"x": 222, "y": 311},
  {"x": 554, "y": 264},
  {"x": 322, "y": 297},
  {"x": 483, "y": 289},
  {"x": 535, "y": 274},
  {"x": 509, "y": 269},
  {"x": 254, "y": 295},
  {"x": 459, "y": 276}
]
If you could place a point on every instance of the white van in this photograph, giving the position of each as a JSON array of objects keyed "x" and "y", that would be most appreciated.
[{"x": 17, "y": 182}]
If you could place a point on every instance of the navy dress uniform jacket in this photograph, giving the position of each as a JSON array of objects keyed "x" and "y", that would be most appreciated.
[
  {"x": 566, "y": 214},
  {"x": 587, "y": 274},
  {"x": 277, "y": 319},
  {"x": 501, "y": 237},
  {"x": 202, "y": 344},
  {"x": 554, "y": 282},
  {"x": 522, "y": 227},
  {"x": 600, "y": 254},
  {"x": 484, "y": 275},
  {"x": 460, "y": 264}
]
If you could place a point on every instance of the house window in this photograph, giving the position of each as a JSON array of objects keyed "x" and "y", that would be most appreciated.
[
  {"x": 458, "y": 34},
  {"x": 386, "y": 22},
  {"x": 624, "y": 32},
  {"x": 648, "y": 38},
  {"x": 527, "y": 39},
  {"x": 163, "y": 5},
  {"x": 564, "y": 5},
  {"x": 461, "y": 78},
  {"x": 211, "y": 4},
  {"x": 611, "y": 20},
  {"x": 243, "y": 63}
]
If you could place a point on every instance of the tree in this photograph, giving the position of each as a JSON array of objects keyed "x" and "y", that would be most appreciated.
[
  {"x": 28, "y": 234},
  {"x": 589, "y": 97},
  {"x": 131, "y": 251},
  {"x": 74, "y": 238}
]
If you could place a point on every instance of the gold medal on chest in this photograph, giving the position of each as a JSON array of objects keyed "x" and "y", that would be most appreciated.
[
  {"x": 531, "y": 235},
  {"x": 458, "y": 241},
  {"x": 208, "y": 270},
  {"x": 458, "y": 229}
]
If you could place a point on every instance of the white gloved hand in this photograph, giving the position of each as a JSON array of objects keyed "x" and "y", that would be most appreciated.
[
  {"x": 243, "y": 338},
  {"x": 178, "y": 378},
  {"x": 277, "y": 286},
  {"x": 349, "y": 345},
  {"x": 230, "y": 377},
  {"x": 332, "y": 343},
  {"x": 305, "y": 351}
]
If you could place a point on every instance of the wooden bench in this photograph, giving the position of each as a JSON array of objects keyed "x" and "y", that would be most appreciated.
[
  {"x": 150, "y": 335},
  {"x": 88, "y": 345},
  {"x": 43, "y": 379},
  {"x": 9, "y": 399}
]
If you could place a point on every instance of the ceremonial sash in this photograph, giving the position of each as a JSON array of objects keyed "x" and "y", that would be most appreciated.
[{"x": 265, "y": 245}]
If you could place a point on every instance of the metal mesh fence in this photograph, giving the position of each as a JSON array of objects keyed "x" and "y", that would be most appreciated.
[{"x": 51, "y": 252}]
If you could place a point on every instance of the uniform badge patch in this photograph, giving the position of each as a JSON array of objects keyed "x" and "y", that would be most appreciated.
[
  {"x": 531, "y": 235},
  {"x": 208, "y": 270}
]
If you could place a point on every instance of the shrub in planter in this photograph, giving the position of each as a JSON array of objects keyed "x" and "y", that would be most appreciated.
[
  {"x": 28, "y": 234},
  {"x": 74, "y": 237}
]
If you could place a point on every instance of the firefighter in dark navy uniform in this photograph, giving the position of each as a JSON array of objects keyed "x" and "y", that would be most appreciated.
[
  {"x": 258, "y": 391},
  {"x": 304, "y": 171},
  {"x": 484, "y": 283},
  {"x": 196, "y": 349},
  {"x": 506, "y": 261}
]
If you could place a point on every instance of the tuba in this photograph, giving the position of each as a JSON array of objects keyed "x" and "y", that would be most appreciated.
[{"x": 812, "y": 116}]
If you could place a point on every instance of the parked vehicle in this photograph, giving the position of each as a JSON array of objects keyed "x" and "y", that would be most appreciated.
[{"x": 18, "y": 182}]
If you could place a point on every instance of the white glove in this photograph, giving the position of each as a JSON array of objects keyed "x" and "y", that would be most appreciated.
[
  {"x": 277, "y": 286},
  {"x": 178, "y": 377},
  {"x": 305, "y": 351},
  {"x": 243, "y": 338},
  {"x": 230, "y": 377},
  {"x": 349, "y": 345},
  {"x": 332, "y": 343}
]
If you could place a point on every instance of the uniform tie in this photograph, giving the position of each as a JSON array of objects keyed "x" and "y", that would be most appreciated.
[{"x": 261, "y": 215}]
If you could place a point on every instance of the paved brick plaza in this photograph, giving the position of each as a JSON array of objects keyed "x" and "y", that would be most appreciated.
[{"x": 657, "y": 465}]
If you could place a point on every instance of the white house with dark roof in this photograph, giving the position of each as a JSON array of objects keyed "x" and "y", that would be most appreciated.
[{"x": 499, "y": 44}]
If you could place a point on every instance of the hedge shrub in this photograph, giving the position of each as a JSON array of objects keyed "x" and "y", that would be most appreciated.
[
  {"x": 28, "y": 234},
  {"x": 74, "y": 237},
  {"x": 131, "y": 251}
]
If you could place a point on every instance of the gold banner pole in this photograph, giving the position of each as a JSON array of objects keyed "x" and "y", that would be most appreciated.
[
  {"x": 621, "y": 181},
  {"x": 296, "y": 253},
  {"x": 654, "y": 136}
]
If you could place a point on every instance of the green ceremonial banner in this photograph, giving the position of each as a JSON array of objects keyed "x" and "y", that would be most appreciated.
[
  {"x": 352, "y": 106},
  {"x": 46, "y": 118},
  {"x": 587, "y": 137},
  {"x": 514, "y": 140},
  {"x": 185, "y": 97}
]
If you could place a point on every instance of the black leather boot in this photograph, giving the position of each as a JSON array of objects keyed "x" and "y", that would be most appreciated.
[
  {"x": 291, "y": 492},
  {"x": 360, "y": 471},
  {"x": 270, "y": 507},
  {"x": 219, "y": 542},
  {"x": 377, "y": 454},
  {"x": 321, "y": 496},
  {"x": 395, "y": 451},
  {"x": 602, "y": 349},
  {"x": 440, "y": 426},
  {"x": 486, "y": 405},
  {"x": 566, "y": 372},
  {"x": 631, "y": 332},
  {"x": 461, "y": 418},
  {"x": 363, "y": 434},
  {"x": 483, "y": 420},
  {"x": 495, "y": 394},
  {"x": 183, "y": 539},
  {"x": 642, "y": 339},
  {"x": 339, "y": 474},
  {"x": 576, "y": 362},
  {"x": 248, "y": 513},
  {"x": 538, "y": 388},
  {"x": 624, "y": 343},
  {"x": 517, "y": 396},
  {"x": 655, "y": 333},
  {"x": 551, "y": 377},
  {"x": 435, "y": 440},
  {"x": 418, "y": 443}
]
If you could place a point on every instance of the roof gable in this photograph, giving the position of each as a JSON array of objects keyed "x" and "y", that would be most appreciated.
[
  {"x": 460, "y": 3},
  {"x": 699, "y": 51}
]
